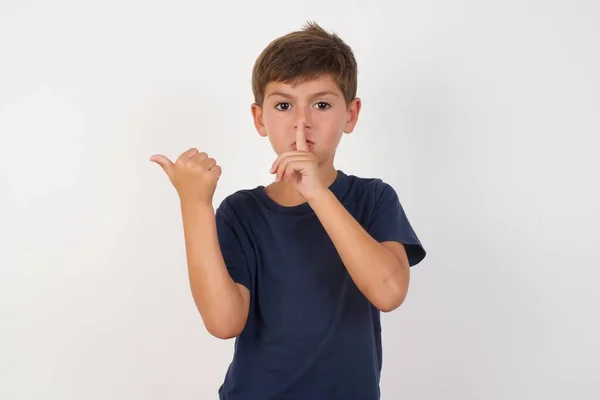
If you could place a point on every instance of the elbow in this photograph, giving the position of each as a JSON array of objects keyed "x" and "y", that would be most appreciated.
[
  {"x": 224, "y": 335},
  {"x": 222, "y": 331},
  {"x": 221, "y": 321},
  {"x": 391, "y": 293},
  {"x": 390, "y": 301},
  {"x": 387, "y": 306}
]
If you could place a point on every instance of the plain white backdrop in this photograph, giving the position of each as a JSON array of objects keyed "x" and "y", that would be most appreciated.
[{"x": 484, "y": 115}]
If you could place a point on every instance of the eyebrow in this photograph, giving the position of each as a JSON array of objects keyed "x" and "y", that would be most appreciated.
[{"x": 288, "y": 96}]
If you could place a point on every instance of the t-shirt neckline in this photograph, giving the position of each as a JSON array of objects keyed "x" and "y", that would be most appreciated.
[{"x": 336, "y": 187}]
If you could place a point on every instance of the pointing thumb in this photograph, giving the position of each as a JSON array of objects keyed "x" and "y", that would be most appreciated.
[{"x": 166, "y": 164}]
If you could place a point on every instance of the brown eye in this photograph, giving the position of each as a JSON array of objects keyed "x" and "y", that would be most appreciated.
[
  {"x": 283, "y": 106},
  {"x": 323, "y": 105}
]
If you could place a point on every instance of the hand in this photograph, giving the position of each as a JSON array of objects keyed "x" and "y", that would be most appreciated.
[
  {"x": 194, "y": 175},
  {"x": 300, "y": 167}
]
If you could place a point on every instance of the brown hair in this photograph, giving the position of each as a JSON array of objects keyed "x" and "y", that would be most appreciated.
[{"x": 303, "y": 55}]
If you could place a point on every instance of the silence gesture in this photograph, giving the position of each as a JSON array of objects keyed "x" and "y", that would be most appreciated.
[{"x": 300, "y": 166}]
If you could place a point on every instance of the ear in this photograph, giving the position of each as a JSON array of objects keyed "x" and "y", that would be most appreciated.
[
  {"x": 258, "y": 119},
  {"x": 352, "y": 115}
]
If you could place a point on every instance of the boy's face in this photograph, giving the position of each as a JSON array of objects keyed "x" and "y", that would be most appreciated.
[{"x": 318, "y": 104}]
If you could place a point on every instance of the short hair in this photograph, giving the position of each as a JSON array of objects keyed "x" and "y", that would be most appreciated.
[{"x": 310, "y": 53}]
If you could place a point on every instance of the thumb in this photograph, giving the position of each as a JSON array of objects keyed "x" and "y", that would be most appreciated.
[{"x": 166, "y": 164}]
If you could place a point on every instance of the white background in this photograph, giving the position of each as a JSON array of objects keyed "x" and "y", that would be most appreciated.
[{"x": 484, "y": 115}]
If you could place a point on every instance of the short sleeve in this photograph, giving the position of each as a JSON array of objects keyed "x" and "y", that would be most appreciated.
[
  {"x": 390, "y": 223},
  {"x": 232, "y": 249}
]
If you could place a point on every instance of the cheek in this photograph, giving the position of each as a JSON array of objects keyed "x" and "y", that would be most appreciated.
[
  {"x": 275, "y": 129},
  {"x": 331, "y": 130},
  {"x": 273, "y": 124}
]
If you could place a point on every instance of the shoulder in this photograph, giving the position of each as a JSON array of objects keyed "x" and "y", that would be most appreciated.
[
  {"x": 373, "y": 188},
  {"x": 237, "y": 199},
  {"x": 235, "y": 203}
]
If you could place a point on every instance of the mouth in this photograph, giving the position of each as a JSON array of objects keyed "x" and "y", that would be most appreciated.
[{"x": 309, "y": 142}]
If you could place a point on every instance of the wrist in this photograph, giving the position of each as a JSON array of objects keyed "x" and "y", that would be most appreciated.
[
  {"x": 320, "y": 197},
  {"x": 196, "y": 205}
]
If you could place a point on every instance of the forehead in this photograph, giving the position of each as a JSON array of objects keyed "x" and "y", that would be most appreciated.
[{"x": 307, "y": 87}]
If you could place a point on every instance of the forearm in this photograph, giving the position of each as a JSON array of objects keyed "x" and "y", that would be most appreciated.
[
  {"x": 217, "y": 297},
  {"x": 375, "y": 270}
]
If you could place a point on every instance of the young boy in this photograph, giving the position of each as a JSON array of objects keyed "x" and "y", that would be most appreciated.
[{"x": 298, "y": 271}]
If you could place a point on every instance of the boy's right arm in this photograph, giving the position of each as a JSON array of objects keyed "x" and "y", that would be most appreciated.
[{"x": 222, "y": 303}]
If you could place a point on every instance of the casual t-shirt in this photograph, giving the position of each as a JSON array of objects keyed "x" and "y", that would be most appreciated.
[{"x": 310, "y": 333}]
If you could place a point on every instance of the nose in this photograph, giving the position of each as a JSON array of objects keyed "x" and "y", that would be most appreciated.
[{"x": 301, "y": 121}]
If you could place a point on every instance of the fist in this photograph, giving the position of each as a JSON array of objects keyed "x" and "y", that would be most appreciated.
[{"x": 194, "y": 175}]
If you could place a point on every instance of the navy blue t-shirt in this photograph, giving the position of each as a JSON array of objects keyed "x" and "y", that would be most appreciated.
[{"x": 310, "y": 334}]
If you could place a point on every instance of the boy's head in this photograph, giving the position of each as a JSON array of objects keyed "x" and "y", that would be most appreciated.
[{"x": 306, "y": 77}]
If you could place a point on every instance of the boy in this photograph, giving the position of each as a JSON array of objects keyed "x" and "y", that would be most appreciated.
[{"x": 298, "y": 271}]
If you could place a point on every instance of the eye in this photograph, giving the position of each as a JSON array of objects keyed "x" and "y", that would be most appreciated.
[
  {"x": 323, "y": 105},
  {"x": 284, "y": 106}
]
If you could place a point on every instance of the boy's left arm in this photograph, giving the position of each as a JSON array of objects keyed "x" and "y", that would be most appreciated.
[{"x": 381, "y": 271}]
